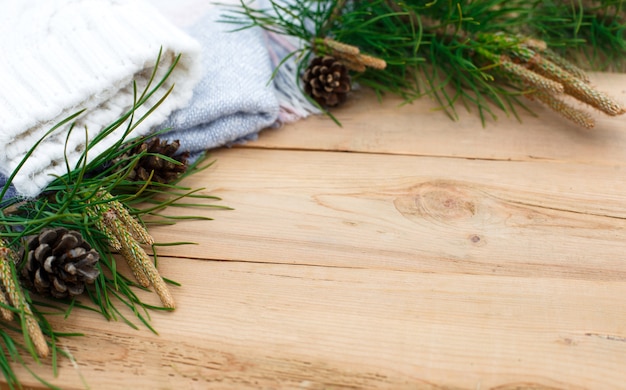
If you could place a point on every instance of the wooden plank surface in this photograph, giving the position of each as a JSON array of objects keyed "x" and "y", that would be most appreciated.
[
  {"x": 435, "y": 255},
  {"x": 421, "y": 129}
]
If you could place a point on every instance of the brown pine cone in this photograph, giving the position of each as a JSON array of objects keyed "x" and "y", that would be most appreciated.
[
  {"x": 59, "y": 263},
  {"x": 164, "y": 171},
  {"x": 327, "y": 81}
]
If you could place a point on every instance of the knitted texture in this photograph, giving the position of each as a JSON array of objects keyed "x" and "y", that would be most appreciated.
[
  {"x": 68, "y": 55},
  {"x": 233, "y": 100},
  {"x": 293, "y": 105},
  {"x": 85, "y": 55}
]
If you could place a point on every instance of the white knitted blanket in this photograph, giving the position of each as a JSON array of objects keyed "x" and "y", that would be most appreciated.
[
  {"x": 61, "y": 56},
  {"x": 70, "y": 55}
]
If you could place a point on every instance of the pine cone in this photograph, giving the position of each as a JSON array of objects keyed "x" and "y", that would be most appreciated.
[
  {"x": 164, "y": 171},
  {"x": 59, "y": 263},
  {"x": 327, "y": 81}
]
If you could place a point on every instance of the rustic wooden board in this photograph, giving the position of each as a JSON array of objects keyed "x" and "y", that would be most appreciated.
[
  {"x": 408, "y": 212},
  {"x": 421, "y": 128},
  {"x": 251, "y": 325},
  {"x": 452, "y": 257}
]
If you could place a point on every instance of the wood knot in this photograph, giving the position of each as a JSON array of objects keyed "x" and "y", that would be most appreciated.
[
  {"x": 442, "y": 201},
  {"x": 477, "y": 240}
]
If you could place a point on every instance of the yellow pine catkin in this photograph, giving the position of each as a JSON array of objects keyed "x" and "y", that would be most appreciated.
[
  {"x": 361, "y": 61},
  {"x": 535, "y": 44},
  {"x": 354, "y": 66},
  {"x": 129, "y": 248},
  {"x": 598, "y": 99},
  {"x": 577, "y": 88},
  {"x": 5, "y": 275},
  {"x": 6, "y": 314},
  {"x": 16, "y": 296},
  {"x": 341, "y": 48},
  {"x": 352, "y": 58},
  {"x": 95, "y": 213},
  {"x": 35, "y": 333},
  {"x": 372, "y": 62},
  {"x": 531, "y": 78},
  {"x": 140, "y": 263},
  {"x": 136, "y": 229},
  {"x": 579, "y": 117},
  {"x": 159, "y": 284},
  {"x": 565, "y": 64}
]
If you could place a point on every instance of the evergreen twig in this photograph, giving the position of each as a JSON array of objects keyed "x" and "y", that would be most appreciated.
[
  {"x": 476, "y": 53},
  {"x": 77, "y": 201}
]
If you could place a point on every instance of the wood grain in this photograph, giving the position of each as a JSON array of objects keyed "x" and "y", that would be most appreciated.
[
  {"x": 409, "y": 212},
  {"x": 435, "y": 255},
  {"x": 249, "y": 325},
  {"x": 420, "y": 128}
]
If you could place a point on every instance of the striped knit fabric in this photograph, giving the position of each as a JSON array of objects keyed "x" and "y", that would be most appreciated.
[{"x": 68, "y": 55}]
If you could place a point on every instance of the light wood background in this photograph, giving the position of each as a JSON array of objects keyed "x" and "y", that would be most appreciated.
[{"x": 402, "y": 251}]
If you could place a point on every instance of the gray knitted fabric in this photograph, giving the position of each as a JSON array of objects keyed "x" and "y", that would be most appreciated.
[{"x": 233, "y": 100}]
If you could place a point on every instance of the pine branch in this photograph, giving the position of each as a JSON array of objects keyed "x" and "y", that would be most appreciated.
[
  {"x": 592, "y": 33},
  {"x": 476, "y": 53},
  {"x": 79, "y": 202}
]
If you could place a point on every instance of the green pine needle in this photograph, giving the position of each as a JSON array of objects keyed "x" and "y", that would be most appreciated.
[
  {"x": 431, "y": 47},
  {"x": 65, "y": 203}
]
